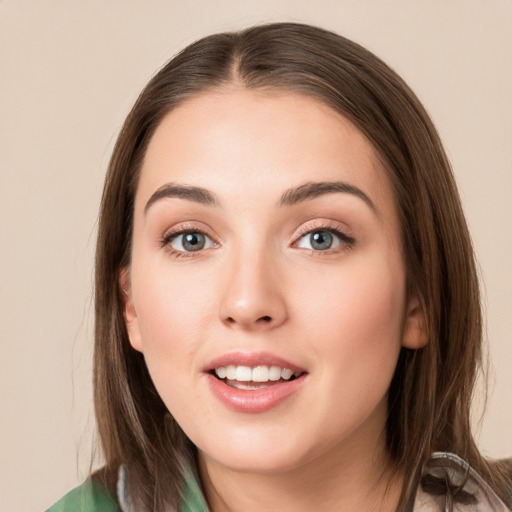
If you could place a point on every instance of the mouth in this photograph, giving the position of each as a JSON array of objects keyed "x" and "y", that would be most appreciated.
[
  {"x": 254, "y": 382},
  {"x": 254, "y": 378}
]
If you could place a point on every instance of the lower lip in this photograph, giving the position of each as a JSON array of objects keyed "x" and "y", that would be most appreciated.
[{"x": 256, "y": 400}]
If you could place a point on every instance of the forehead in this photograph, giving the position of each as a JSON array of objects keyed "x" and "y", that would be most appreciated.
[{"x": 253, "y": 141}]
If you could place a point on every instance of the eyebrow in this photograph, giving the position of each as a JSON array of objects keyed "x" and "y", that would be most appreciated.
[
  {"x": 315, "y": 189},
  {"x": 196, "y": 194},
  {"x": 292, "y": 196}
]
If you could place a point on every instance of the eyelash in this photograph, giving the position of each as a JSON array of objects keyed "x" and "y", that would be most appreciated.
[
  {"x": 346, "y": 241},
  {"x": 168, "y": 238}
]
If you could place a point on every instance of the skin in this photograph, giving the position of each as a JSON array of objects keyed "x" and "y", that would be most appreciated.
[{"x": 340, "y": 314}]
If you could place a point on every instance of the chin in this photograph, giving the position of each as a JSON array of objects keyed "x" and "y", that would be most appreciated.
[
  {"x": 257, "y": 454},
  {"x": 256, "y": 463}
]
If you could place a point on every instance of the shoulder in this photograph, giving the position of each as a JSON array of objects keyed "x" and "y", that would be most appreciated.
[
  {"x": 92, "y": 496},
  {"x": 107, "y": 491},
  {"x": 446, "y": 478}
]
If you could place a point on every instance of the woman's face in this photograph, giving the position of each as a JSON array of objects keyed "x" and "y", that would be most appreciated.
[{"x": 267, "y": 287}]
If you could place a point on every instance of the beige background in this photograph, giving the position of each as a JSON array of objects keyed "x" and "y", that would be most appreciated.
[{"x": 69, "y": 73}]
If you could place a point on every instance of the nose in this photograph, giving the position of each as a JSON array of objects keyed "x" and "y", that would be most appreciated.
[{"x": 253, "y": 296}]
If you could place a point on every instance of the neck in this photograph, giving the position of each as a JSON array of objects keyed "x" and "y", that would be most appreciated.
[{"x": 342, "y": 480}]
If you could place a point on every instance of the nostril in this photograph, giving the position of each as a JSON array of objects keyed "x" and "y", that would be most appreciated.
[{"x": 255, "y": 321}]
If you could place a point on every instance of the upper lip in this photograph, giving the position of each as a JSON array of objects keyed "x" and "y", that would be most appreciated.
[{"x": 251, "y": 359}]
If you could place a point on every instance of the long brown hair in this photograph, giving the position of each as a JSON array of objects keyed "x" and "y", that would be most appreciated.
[{"x": 430, "y": 395}]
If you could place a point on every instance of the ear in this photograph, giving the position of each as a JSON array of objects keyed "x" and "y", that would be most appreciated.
[
  {"x": 130, "y": 315},
  {"x": 415, "y": 333}
]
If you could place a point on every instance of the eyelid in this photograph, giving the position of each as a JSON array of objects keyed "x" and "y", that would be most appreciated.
[
  {"x": 344, "y": 234},
  {"x": 324, "y": 224},
  {"x": 187, "y": 227},
  {"x": 183, "y": 229}
]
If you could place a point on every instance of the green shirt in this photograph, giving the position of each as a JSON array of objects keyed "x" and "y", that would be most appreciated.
[
  {"x": 92, "y": 496},
  {"x": 89, "y": 497}
]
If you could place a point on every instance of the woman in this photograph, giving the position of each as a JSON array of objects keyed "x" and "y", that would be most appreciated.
[{"x": 287, "y": 307}]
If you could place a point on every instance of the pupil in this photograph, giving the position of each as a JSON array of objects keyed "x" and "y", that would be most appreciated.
[
  {"x": 321, "y": 240},
  {"x": 193, "y": 241}
]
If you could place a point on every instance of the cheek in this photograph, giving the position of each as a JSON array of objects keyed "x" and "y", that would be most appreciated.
[
  {"x": 354, "y": 334},
  {"x": 171, "y": 312},
  {"x": 171, "y": 330},
  {"x": 172, "y": 307},
  {"x": 356, "y": 319}
]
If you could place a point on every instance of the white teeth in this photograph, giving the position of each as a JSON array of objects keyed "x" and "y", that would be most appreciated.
[
  {"x": 231, "y": 372},
  {"x": 274, "y": 373},
  {"x": 243, "y": 374},
  {"x": 260, "y": 374},
  {"x": 286, "y": 373},
  {"x": 256, "y": 374}
]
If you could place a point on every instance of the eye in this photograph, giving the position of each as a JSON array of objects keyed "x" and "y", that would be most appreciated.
[
  {"x": 191, "y": 241},
  {"x": 324, "y": 240}
]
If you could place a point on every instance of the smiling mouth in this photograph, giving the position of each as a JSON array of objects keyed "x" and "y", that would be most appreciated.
[{"x": 254, "y": 378}]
